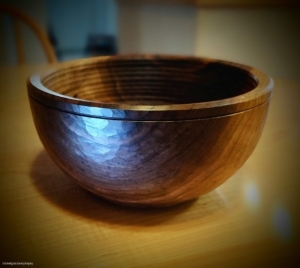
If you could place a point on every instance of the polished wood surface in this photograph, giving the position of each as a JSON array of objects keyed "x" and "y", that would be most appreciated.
[
  {"x": 252, "y": 220},
  {"x": 150, "y": 162},
  {"x": 18, "y": 15}
]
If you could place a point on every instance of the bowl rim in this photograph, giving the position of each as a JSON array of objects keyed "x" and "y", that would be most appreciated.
[{"x": 251, "y": 99}]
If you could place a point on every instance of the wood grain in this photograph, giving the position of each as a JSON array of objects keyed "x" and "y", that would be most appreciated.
[
  {"x": 159, "y": 159},
  {"x": 49, "y": 220}
]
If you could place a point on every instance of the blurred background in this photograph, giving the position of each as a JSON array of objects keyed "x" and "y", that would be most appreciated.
[{"x": 263, "y": 34}]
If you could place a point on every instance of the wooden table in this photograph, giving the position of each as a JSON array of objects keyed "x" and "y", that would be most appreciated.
[{"x": 252, "y": 220}]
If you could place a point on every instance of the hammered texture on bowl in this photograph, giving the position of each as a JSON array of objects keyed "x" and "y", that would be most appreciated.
[{"x": 150, "y": 131}]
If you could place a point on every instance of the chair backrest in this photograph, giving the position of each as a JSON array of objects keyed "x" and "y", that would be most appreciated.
[{"x": 19, "y": 15}]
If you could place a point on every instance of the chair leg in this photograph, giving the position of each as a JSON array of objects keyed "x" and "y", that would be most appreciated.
[{"x": 19, "y": 42}]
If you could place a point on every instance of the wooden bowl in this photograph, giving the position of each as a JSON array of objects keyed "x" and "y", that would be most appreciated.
[{"x": 150, "y": 130}]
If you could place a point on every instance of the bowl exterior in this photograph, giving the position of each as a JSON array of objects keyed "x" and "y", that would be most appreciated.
[{"x": 153, "y": 163}]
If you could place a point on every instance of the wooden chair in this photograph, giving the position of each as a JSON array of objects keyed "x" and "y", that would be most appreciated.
[{"x": 19, "y": 15}]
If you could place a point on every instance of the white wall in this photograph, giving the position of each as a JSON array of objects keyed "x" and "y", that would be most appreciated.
[
  {"x": 157, "y": 28},
  {"x": 268, "y": 39},
  {"x": 265, "y": 38}
]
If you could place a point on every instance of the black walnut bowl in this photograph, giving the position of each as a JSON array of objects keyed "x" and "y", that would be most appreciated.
[{"x": 150, "y": 130}]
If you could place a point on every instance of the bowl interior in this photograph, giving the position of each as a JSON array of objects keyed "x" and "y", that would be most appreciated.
[{"x": 151, "y": 81}]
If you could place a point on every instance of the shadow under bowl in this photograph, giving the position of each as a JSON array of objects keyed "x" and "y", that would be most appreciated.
[{"x": 149, "y": 130}]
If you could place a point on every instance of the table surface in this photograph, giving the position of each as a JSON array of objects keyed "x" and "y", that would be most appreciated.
[{"x": 251, "y": 220}]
